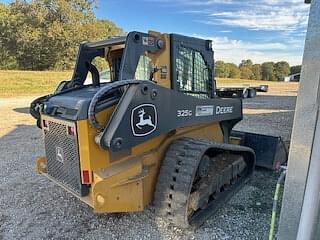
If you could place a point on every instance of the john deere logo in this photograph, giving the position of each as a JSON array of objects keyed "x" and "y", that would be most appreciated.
[
  {"x": 59, "y": 154},
  {"x": 143, "y": 119}
]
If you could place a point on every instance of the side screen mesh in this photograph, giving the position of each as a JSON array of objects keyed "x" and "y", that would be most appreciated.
[{"x": 192, "y": 73}]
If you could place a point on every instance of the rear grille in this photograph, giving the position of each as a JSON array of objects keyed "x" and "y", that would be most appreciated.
[{"x": 63, "y": 162}]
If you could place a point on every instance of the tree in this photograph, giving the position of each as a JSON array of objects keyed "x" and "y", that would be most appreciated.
[
  {"x": 246, "y": 72},
  {"x": 45, "y": 34},
  {"x": 234, "y": 71},
  {"x": 6, "y": 60},
  {"x": 281, "y": 70},
  {"x": 295, "y": 69},
  {"x": 267, "y": 71},
  {"x": 221, "y": 69},
  {"x": 256, "y": 71},
  {"x": 246, "y": 63},
  {"x": 245, "y": 69}
]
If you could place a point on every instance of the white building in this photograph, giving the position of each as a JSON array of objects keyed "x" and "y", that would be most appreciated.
[{"x": 292, "y": 78}]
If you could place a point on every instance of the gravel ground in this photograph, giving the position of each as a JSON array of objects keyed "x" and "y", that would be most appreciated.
[{"x": 34, "y": 208}]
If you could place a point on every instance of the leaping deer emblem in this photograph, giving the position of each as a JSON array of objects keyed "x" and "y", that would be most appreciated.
[{"x": 144, "y": 121}]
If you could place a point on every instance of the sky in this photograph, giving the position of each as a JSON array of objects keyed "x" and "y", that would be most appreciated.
[{"x": 260, "y": 30}]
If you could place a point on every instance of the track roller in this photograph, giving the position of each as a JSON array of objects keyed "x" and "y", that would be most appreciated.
[{"x": 196, "y": 176}]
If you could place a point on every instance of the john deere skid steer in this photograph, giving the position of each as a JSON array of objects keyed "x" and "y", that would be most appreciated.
[{"x": 155, "y": 133}]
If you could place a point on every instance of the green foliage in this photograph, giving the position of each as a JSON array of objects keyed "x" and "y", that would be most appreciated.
[
  {"x": 281, "y": 70},
  {"x": 267, "y": 71},
  {"x": 100, "y": 63},
  {"x": 295, "y": 69},
  {"x": 45, "y": 34},
  {"x": 246, "y": 72},
  {"x": 234, "y": 71},
  {"x": 256, "y": 71},
  {"x": 226, "y": 70},
  {"x": 246, "y": 63},
  {"x": 6, "y": 60},
  {"x": 221, "y": 69}
]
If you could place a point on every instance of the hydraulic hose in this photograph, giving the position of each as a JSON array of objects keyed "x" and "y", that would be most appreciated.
[
  {"x": 275, "y": 202},
  {"x": 104, "y": 90}
]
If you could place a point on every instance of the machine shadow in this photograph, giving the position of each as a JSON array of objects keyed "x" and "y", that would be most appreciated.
[{"x": 22, "y": 110}]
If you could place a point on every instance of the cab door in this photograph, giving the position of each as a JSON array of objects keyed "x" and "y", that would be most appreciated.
[{"x": 192, "y": 66}]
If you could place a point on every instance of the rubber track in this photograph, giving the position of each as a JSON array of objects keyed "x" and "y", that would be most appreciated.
[{"x": 176, "y": 176}]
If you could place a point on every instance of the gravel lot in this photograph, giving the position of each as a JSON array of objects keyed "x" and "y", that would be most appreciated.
[{"x": 34, "y": 208}]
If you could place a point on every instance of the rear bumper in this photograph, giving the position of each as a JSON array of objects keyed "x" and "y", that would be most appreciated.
[
  {"x": 41, "y": 166},
  {"x": 119, "y": 188}
]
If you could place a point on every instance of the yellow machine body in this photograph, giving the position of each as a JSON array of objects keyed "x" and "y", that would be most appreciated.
[{"x": 125, "y": 181}]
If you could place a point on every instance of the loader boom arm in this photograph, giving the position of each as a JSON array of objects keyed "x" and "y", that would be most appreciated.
[{"x": 147, "y": 100}]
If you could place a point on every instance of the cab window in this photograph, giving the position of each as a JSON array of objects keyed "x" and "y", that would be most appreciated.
[
  {"x": 104, "y": 71},
  {"x": 144, "y": 68},
  {"x": 192, "y": 73}
]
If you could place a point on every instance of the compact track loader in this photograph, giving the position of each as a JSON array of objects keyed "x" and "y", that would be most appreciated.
[{"x": 155, "y": 133}]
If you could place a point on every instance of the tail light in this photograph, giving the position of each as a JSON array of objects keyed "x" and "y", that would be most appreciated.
[
  {"x": 85, "y": 175},
  {"x": 71, "y": 131},
  {"x": 45, "y": 123}
]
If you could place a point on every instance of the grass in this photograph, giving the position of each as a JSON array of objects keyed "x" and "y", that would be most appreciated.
[
  {"x": 241, "y": 82},
  {"x": 29, "y": 83}
]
